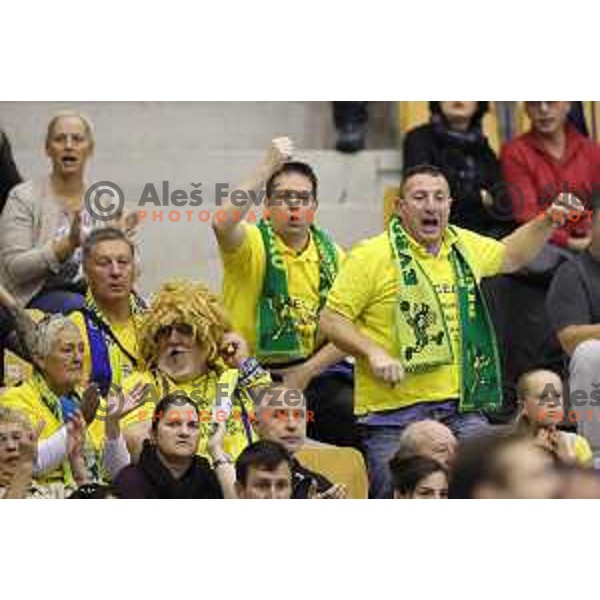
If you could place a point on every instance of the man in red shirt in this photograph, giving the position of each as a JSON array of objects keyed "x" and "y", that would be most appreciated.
[
  {"x": 553, "y": 157},
  {"x": 550, "y": 159}
]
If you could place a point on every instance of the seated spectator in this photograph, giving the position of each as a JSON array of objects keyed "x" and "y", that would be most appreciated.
[
  {"x": 264, "y": 472},
  {"x": 109, "y": 319},
  {"x": 454, "y": 142},
  {"x": 9, "y": 174},
  {"x": 418, "y": 478},
  {"x": 501, "y": 466},
  {"x": 9, "y": 178},
  {"x": 44, "y": 222},
  {"x": 18, "y": 446},
  {"x": 430, "y": 439},
  {"x": 286, "y": 265},
  {"x": 573, "y": 306},
  {"x": 396, "y": 306},
  {"x": 52, "y": 397},
  {"x": 169, "y": 467},
  {"x": 187, "y": 345},
  {"x": 540, "y": 395},
  {"x": 281, "y": 417},
  {"x": 20, "y": 453},
  {"x": 39, "y": 261},
  {"x": 549, "y": 160}
]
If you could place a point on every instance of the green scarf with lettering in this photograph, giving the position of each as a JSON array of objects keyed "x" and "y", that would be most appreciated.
[
  {"x": 277, "y": 335},
  {"x": 422, "y": 334}
]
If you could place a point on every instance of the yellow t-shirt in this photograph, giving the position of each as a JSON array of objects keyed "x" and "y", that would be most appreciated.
[
  {"x": 26, "y": 399},
  {"x": 121, "y": 365},
  {"x": 581, "y": 448},
  {"x": 203, "y": 391},
  {"x": 366, "y": 292},
  {"x": 244, "y": 273}
]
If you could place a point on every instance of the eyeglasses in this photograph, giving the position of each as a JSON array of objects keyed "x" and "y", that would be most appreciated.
[
  {"x": 180, "y": 328},
  {"x": 293, "y": 197}
]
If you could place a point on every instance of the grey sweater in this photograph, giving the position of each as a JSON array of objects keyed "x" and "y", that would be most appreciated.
[{"x": 28, "y": 226}]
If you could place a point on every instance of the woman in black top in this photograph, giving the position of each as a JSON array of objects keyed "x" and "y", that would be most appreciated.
[
  {"x": 168, "y": 467},
  {"x": 454, "y": 142},
  {"x": 9, "y": 174}
]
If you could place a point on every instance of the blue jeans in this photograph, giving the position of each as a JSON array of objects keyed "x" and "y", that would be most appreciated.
[{"x": 380, "y": 434}]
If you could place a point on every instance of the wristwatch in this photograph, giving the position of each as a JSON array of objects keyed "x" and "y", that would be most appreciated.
[{"x": 222, "y": 460}]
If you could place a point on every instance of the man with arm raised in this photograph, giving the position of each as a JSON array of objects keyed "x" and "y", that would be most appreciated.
[{"x": 277, "y": 274}]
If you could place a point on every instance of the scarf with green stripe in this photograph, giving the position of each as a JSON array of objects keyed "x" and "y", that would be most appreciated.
[
  {"x": 277, "y": 332},
  {"x": 421, "y": 331},
  {"x": 55, "y": 404}
]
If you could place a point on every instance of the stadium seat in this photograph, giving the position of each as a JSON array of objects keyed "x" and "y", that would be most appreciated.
[{"x": 340, "y": 465}]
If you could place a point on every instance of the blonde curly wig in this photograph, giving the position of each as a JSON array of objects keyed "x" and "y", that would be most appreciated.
[{"x": 183, "y": 302}]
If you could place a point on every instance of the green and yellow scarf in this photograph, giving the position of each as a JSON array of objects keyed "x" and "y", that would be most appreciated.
[
  {"x": 421, "y": 332},
  {"x": 277, "y": 335}
]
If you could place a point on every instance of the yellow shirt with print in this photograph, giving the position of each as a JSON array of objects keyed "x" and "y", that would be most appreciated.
[
  {"x": 120, "y": 363},
  {"x": 244, "y": 272},
  {"x": 203, "y": 391},
  {"x": 366, "y": 292}
]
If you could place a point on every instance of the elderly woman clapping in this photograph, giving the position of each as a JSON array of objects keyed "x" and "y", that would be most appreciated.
[{"x": 51, "y": 401}]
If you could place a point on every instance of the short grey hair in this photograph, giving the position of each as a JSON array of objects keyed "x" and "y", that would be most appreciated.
[
  {"x": 48, "y": 330},
  {"x": 11, "y": 415}
]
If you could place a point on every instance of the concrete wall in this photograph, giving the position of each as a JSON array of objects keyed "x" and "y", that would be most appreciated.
[{"x": 210, "y": 142}]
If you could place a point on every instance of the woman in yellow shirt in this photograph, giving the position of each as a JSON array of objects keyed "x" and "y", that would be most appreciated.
[{"x": 50, "y": 399}]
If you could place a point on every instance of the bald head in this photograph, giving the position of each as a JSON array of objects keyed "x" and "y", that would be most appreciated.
[
  {"x": 431, "y": 439},
  {"x": 540, "y": 393}
]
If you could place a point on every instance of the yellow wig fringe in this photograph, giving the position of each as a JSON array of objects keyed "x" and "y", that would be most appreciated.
[{"x": 183, "y": 302}]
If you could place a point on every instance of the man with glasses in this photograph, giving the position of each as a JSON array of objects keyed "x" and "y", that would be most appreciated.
[
  {"x": 277, "y": 273},
  {"x": 187, "y": 346}
]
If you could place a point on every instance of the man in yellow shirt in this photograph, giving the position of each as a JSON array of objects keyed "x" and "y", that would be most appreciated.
[
  {"x": 187, "y": 347},
  {"x": 108, "y": 320},
  {"x": 407, "y": 305},
  {"x": 278, "y": 268}
]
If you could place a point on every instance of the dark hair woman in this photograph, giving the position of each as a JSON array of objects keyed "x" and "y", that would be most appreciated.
[
  {"x": 454, "y": 142},
  {"x": 169, "y": 467},
  {"x": 418, "y": 478}
]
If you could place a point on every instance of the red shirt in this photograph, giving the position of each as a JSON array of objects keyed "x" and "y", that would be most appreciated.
[{"x": 540, "y": 177}]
